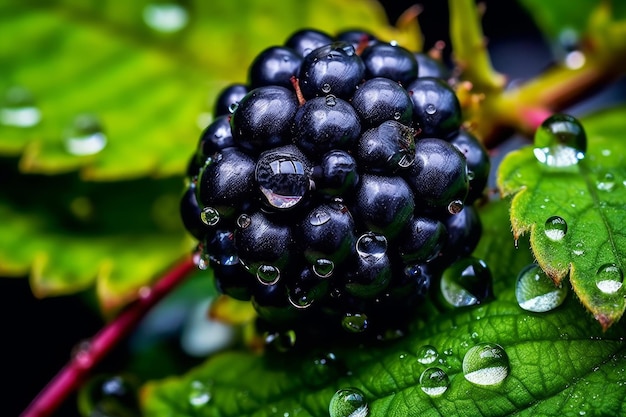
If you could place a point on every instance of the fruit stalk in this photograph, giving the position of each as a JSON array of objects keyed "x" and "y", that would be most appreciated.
[{"x": 90, "y": 353}]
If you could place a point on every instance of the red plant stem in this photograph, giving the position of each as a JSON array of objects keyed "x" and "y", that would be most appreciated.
[{"x": 90, "y": 353}]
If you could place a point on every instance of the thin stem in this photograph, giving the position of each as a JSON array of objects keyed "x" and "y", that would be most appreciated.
[{"x": 92, "y": 352}]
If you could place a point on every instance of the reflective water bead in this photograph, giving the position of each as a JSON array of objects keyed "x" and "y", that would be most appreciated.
[
  {"x": 486, "y": 364},
  {"x": 560, "y": 141},
  {"x": 535, "y": 291},
  {"x": 371, "y": 246},
  {"x": 348, "y": 402},
  {"x": 18, "y": 108},
  {"x": 210, "y": 216},
  {"x": 165, "y": 17},
  {"x": 455, "y": 207},
  {"x": 326, "y": 88},
  {"x": 283, "y": 176},
  {"x": 466, "y": 282},
  {"x": 609, "y": 278},
  {"x": 199, "y": 394},
  {"x": 323, "y": 268},
  {"x": 244, "y": 220},
  {"x": 427, "y": 354},
  {"x": 606, "y": 182},
  {"x": 555, "y": 228},
  {"x": 434, "y": 381},
  {"x": 354, "y": 322},
  {"x": 268, "y": 274},
  {"x": 319, "y": 216},
  {"x": 85, "y": 136}
]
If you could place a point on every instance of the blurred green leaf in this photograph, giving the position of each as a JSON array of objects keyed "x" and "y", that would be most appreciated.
[
  {"x": 559, "y": 363},
  {"x": 149, "y": 71},
  {"x": 589, "y": 197}
]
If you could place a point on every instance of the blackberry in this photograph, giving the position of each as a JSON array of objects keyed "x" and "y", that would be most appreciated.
[{"x": 335, "y": 187}]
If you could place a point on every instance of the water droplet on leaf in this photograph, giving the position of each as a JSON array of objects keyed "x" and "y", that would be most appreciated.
[
  {"x": 535, "y": 291},
  {"x": 18, "y": 108},
  {"x": 609, "y": 278},
  {"x": 348, "y": 402},
  {"x": 555, "y": 228},
  {"x": 486, "y": 364},
  {"x": 85, "y": 136},
  {"x": 354, "y": 323},
  {"x": 606, "y": 182},
  {"x": 560, "y": 141},
  {"x": 427, "y": 354},
  {"x": 199, "y": 394},
  {"x": 434, "y": 381},
  {"x": 165, "y": 17}
]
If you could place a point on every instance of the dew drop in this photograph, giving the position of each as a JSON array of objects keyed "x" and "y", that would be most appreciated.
[
  {"x": 268, "y": 274},
  {"x": 210, "y": 216},
  {"x": 466, "y": 282},
  {"x": 349, "y": 50},
  {"x": 609, "y": 278},
  {"x": 348, "y": 402},
  {"x": 606, "y": 183},
  {"x": 397, "y": 115},
  {"x": 427, "y": 354},
  {"x": 331, "y": 100},
  {"x": 371, "y": 246},
  {"x": 560, "y": 141},
  {"x": 354, "y": 322},
  {"x": 199, "y": 394},
  {"x": 244, "y": 220},
  {"x": 283, "y": 178},
  {"x": 18, "y": 108},
  {"x": 85, "y": 136},
  {"x": 535, "y": 291},
  {"x": 470, "y": 175},
  {"x": 323, "y": 268},
  {"x": 165, "y": 17},
  {"x": 455, "y": 207},
  {"x": 319, "y": 216},
  {"x": 326, "y": 88},
  {"x": 434, "y": 381},
  {"x": 233, "y": 107},
  {"x": 555, "y": 228},
  {"x": 486, "y": 364},
  {"x": 579, "y": 251},
  {"x": 430, "y": 109}
]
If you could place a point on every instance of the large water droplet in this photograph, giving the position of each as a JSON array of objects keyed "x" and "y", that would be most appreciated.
[
  {"x": 165, "y": 17},
  {"x": 486, "y": 364},
  {"x": 434, "y": 381},
  {"x": 609, "y": 278},
  {"x": 606, "y": 182},
  {"x": 18, "y": 108},
  {"x": 282, "y": 178},
  {"x": 210, "y": 216},
  {"x": 85, "y": 136},
  {"x": 199, "y": 394},
  {"x": 323, "y": 268},
  {"x": 348, "y": 402},
  {"x": 427, "y": 354},
  {"x": 560, "y": 141},
  {"x": 268, "y": 274},
  {"x": 466, "y": 282},
  {"x": 371, "y": 246},
  {"x": 555, "y": 228},
  {"x": 535, "y": 291},
  {"x": 354, "y": 323}
]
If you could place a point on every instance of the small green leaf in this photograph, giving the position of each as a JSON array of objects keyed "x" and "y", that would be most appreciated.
[
  {"x": 576, "y": 215},
  {"x": 558, "y": 362},
  {"x": 152, "y": 90}
]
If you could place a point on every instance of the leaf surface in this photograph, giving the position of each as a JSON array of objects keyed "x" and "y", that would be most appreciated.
[
  {"x": 559, "y": 363},
  {"x": 590, "y": 200}
]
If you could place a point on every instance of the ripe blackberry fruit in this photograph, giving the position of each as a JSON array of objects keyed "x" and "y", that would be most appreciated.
[{"x": 334, "y": 187}]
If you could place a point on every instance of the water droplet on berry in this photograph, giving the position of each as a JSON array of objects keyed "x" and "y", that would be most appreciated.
[
  {"x": 560, "y": 141},
  {"x": 326, "y": 88},
  {"x": 427, "y": 354},
  {"x": 555, "y": 228},
  {"x": 244, "y": 220},
  {"x": 199, "y": 394},
  {"x": 406, "y": 161},
  {"x": 434, "y": 381},
  {"x": 470, "y": 175},
  {"x": 430, "y": 109},
  {"x": 331, "y": 100},
  {"x": 397, "y": 115},
  {"x": 210, "y": 216},
  {"x": 348, "y": 402},
  {"x": 301, "y": 300},
  {"x": 486, "y": 364},
  {"x": 466, "y": 282},
  {"x": 609, "y": 278},
  {"x": 85, "y": 136},
  {"x": 18, "y": 108},
  {"x": 282, "y": 178},
  {"x": 319, "y": 216},
  {"x": 535, "y": 291},
  {"x": 354, "y": 322},
  {"x": 268, "y": 274},
  {"x": 371, "y": 246},
  {"x": 233, "y": 107},
  {"x": 165, "y": 17},
  {"x": 349, "y": 50},
  {"x": 323, "y": 268},
  {"x": 455, "y": 207},
  {"x": 606, "y": 183}
]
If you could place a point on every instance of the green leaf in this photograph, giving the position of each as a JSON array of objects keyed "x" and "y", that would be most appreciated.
[
  {"x": 589, "y": 197},
  {"x": 560, "y": 364},
  {"x": 152, "y": 91},
  {"x": 68, "y": 235}
]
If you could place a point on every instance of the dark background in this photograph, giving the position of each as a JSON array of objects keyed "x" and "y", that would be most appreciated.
[{"x": 38, "y": 335}]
